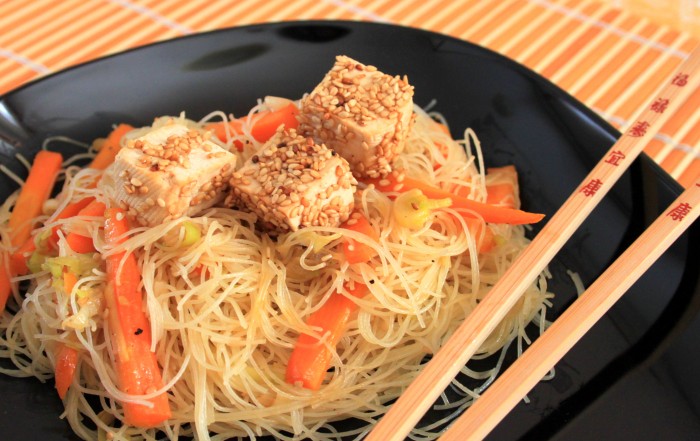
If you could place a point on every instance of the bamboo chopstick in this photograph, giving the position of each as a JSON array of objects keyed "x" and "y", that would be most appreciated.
[
  {"x": 454, "y": 354},
  {"x": 489, "y": 409}
]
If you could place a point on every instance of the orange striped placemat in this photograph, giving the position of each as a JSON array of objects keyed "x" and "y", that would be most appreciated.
[{"x": 608, "y": 58}]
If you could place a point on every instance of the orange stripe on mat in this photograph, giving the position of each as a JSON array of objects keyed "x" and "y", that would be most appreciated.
[
  {"x": 12, "y": 13},
  {"x": 603, "y": 75},
  {"x": 587, "y": 58},
  {"x": 566, "y": 25},
  {"x": 691, "y": 174},
  {"x": 578, "y": 45},
  {"x": 646, "y": 90},
  {"x": 302, "y": 11},
  {"x": 489, "y": 21},
  {"x": 416, "y": 13},
  {"x": 515, "y": 28},
  {"x": 449, "y": 11},
  {"x": 23, "y": 75},
  {"x": 319, "y": 14},
  {"x": 683, "y": 114},
  {"x": 530, "y": 35},
  {"x": 457, "y": 26},
  {"x": 39, "y": 32}
]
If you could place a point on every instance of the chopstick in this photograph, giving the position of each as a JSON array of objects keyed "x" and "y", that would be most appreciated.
[
  {"x": 454, "y": 354},
  {"x": 489, "y": 409}
]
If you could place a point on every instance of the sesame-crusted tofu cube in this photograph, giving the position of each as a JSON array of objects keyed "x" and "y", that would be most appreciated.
[
  {"x": 361, "y": 113},
  {"x": 169, "y": 172},
  {"x": 292, "y": 182}
]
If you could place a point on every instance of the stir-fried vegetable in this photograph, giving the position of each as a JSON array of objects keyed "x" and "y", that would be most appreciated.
[
  {"x": 490, "y": 213},
  {"x": 503, "y": 191},
  {"x": 110, "y": 148},
  {"x": 311, "y": 357},
  {"x": 192, "y": 233},
  {"x": 66, "y": 356},
  {"x": 412, "y": 208},
  {"x": 265, "y": 124},
  {"x": 354, "y": 251},
  {"x": 34, "y": 193},
  {"x": 66, "y": 364},
  {"x": 78, "y": 242},
  {"x": 23, "y": 253},
  {"x": 137, "y": 368}
]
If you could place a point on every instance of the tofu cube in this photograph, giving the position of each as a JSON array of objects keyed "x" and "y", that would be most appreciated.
[
  {"x": 291, "y": 182},
  {"x": 361, "y": 113},
  {"x": 169, "y": 172}
]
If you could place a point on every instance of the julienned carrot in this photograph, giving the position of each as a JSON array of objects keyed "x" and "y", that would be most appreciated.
[
  {"x": 21, "y": 254},
  {"x": 110, "y": 148},
  {"x": 34, "y": 193},
  {"x": 311, "y": 358},
  {"x": 36, "y": 190},
  {"x": 136, "y": 366},
  {"x": 503, "y": 192},
  {"x": 482, "y": 234},
  {"x": 66, "y": 356},
  {"x": 18, "y": 259},
  {"x": 69, "y": 281},
  {"x": 356, "y": 252},
  {"x": 66, "y": 364},
  {"x": 5, "y": 285},
  {"x": 78, "y": 242},
  {"x": 265, "y": 124},
  {"x": 490, "y": 213}
]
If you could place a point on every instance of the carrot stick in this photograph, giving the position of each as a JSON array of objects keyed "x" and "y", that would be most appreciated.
[
  {"x": 66, "y": 364},
  {"x": 78, "y": 242},
  {"x": 136, "y": 366},
  {"x": 5, "y": 285},
  {"x": 18, "y": 259},
  {"x": 36, "y": 190},
  {"x": 34, "y": 193},
  {"x": 21, "y": 254},
  {"x": 265, "y": 124},
  {"x": 490, "y": 213},
  {"x": 66, "y": 356},
  {"x": 110, "y": 148},
  {"x": 69, "y": 281},
  {"x": 476, "y": 227},
  {"x": 356, "y": 252},
  {"x": 503, "y": 192},
  {"x": 72, "y": 209},
  {"x": 311, "y": 357}
]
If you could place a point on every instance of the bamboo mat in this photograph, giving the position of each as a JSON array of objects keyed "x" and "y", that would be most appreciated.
[{"x": 606, "y": 56}]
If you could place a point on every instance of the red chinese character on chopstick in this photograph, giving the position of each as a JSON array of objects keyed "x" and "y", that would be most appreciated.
[
  {"x": 615, "y": 157},
  {"x": 680, "y": 80},
  {"x": 659, "y": 105},
  {"x": 638, "y": 129},
  {"x": 679, "y": 212},
  {"x": 592, "y": 187}
]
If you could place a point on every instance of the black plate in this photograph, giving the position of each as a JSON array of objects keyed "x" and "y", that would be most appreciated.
[{"x": 633, "y": 377}]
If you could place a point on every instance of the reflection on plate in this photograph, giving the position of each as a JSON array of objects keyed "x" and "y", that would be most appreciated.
[{"x": 633, "y": 377}]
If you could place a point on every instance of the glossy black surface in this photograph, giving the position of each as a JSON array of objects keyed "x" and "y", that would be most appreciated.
[{"x": 633, "y": 377}]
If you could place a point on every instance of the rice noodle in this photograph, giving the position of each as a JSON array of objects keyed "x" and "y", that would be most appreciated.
[{"x": 223, "y": 336}]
